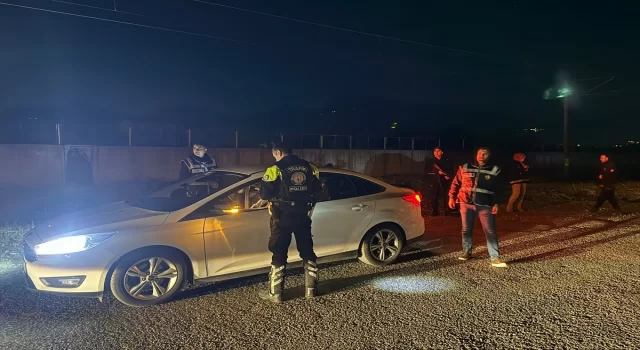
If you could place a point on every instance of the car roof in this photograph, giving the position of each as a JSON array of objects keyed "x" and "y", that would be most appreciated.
[
  {"x": 244, "y": 169},
  {"x": 255, "y": 169}
]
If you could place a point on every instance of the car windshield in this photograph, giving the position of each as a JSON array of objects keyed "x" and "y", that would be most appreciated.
[{"x": 183, "y": 193}]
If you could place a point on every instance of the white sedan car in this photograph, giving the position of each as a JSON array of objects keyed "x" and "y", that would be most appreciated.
[{"x": 210, "y": 227}]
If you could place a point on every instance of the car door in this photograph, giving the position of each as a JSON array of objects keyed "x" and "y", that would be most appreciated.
[
  {"x": 342, "y": 218},
  {"x": 236, "y": 231}
]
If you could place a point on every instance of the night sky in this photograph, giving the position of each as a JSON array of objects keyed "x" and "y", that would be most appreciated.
[{"x": 67, "y": 69}]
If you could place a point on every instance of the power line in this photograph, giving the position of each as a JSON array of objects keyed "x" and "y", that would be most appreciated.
[
  {"x": 605, "y": 92},
  {"x": 597, "y": 86},
  {"x": 596, "y": 78},
  {"x": 97, "y": 8},
  {"x": 126, "y": 23},
  {"x": 346, "y": 29}
]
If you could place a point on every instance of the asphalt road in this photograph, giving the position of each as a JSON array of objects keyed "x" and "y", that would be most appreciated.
[{"x": 573, "y": 283}]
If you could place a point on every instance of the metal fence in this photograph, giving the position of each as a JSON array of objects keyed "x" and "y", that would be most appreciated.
[{"x": 153, "y": 134}]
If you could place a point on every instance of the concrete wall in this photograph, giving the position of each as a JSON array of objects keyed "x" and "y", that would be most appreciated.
[
  {"x": 31, "y": 166},
  {"x": 37, "y": 166}
]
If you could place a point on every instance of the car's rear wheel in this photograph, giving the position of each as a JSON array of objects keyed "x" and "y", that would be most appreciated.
[
  {"x": 148, "y": 277},
  {"x": 382, "y": 245}
]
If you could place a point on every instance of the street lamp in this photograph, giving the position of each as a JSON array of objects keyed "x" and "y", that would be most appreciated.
[{"x": 563, "y": 93}]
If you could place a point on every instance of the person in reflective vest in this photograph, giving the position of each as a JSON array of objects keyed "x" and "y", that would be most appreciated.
[
  {"x": 291, "y": 186},
  {"x": 199, "y": 162},
  {"x": 474, "y": 187}
]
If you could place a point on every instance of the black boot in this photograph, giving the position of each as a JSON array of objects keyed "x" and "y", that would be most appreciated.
[
  {"x": 310, "y": 279},
  {"x": 276, "y": 285}
]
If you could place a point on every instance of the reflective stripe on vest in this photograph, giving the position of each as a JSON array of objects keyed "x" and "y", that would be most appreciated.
[
  {"x": 478, "y": 190},
  {"x": 196, "y": 168},
  {"x": 494, "y": 171}
]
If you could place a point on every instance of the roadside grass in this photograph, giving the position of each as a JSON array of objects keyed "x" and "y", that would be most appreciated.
[{"x": 11, "y": 240}]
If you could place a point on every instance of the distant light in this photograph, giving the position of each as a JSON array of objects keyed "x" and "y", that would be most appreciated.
[
  {"x": 534, "y": 130},
  {"x": 578, "y": 145},
  {"x": 413, "y": 284},
  {"x": 554, "y": 93}
]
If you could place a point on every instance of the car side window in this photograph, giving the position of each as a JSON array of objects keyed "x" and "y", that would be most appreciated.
[
  {"x": 236, "y": 201},
  {"x": 365, "y": 187},
  {"x": 337, "y": 186}
]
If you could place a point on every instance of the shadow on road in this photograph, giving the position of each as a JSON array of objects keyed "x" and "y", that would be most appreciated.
[
  {"x": 572, "y": 250},
  {"x": 564, "y": 236}
]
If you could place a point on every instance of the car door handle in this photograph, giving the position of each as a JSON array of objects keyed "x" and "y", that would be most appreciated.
[{"x": 358, "y": 207}]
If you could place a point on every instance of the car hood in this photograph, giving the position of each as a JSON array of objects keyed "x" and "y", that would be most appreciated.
[{"x": 105, "y": 218}]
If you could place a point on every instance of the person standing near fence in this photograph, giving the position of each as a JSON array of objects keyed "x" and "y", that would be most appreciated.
[
  {"x": 438, "y": 172},
  {"x": 199, "y": 162},
  {"x": 607, "y": 179},
  {"x": 475, "y": 186},
  {"x": 518, "y": 178}
]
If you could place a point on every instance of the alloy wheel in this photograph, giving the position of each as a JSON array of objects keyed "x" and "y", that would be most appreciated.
[{"x": 150, "y": 278}]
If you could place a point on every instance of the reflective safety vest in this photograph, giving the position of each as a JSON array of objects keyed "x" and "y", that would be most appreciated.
[
  {"x": 476, "y": 185},
  {"x": 196, "y": 167}
]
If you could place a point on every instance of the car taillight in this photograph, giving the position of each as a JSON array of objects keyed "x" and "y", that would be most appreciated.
[{"x": 414, "y": 199}]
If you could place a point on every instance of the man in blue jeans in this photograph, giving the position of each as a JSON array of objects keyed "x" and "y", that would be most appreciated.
[{"x": 475, "y": 186}]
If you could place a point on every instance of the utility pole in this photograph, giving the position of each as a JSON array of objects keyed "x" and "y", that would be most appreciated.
[
  {"x": 563, "y": 93},
  {"x": 565, "y": 101}
]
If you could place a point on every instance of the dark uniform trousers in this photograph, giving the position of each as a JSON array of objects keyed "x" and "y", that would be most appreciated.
[
  {"x": 607, "y": 194},
  {"x": 283, "y": 224},
  {"x": 440, "y": 191}
]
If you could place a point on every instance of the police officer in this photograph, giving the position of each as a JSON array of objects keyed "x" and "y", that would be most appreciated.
[
  {"x": 291, "y": 186},
  {"x": 199, "y": 162},
  {"x": 475, "y": 186},
  {"x": 607, "y": 182},
  {"x": 438, "y": 171}
]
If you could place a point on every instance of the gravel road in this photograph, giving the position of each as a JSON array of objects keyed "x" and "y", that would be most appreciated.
[{"x": 573, "y": 283}]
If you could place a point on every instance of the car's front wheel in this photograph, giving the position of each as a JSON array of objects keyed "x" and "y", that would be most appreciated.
[
  {"x": 382, "y": 245},
  {"x": 148, "y": 277}
]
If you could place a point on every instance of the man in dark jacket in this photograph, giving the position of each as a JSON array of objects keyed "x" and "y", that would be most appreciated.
[
  {"x": 475, "y": 186},
  {"x": 199, "y": 162},
  {"x": 607, "y": 182},
  {"x": 438, "y": 173},
  {"x": 518, "y": 178}
]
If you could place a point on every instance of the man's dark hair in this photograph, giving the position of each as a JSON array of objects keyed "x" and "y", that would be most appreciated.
[
  {"x": 604, "y": 154},
  {"x": 482, "y": 148},
  {"x": 437, "y": 148},
  {"x": 280, "y": 146}
]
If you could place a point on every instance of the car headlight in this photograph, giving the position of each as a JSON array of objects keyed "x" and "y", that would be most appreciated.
[{"x": 71, "y": 244}]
